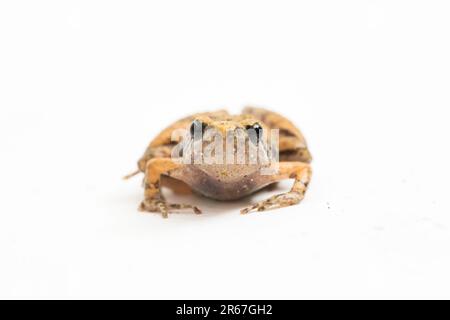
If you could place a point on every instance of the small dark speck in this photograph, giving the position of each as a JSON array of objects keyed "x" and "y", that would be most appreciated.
[{"x": 328, "y": 205}]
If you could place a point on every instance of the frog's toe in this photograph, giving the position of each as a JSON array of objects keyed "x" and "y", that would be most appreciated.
[
  {"x": 249, "y": 209},
  {"x": 184, "y": 206},
  {"x": 157, "y": 205},
  {"x": 275, "y": 202}
]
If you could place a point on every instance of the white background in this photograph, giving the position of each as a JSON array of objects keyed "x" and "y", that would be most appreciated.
[{"x": 85, "y": 85}]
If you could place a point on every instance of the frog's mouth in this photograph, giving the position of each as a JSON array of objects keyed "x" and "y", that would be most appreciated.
[
  {"x": 227, "y": 173},
  {"x": 230, "y": 184}
]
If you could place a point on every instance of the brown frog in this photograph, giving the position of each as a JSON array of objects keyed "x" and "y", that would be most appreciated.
[{"x": 175, "y": 156}]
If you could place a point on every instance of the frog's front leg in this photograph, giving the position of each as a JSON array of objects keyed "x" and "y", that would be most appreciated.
[
  {"x": 154, "y": 200},
  {"x": 299, "y": 171}
]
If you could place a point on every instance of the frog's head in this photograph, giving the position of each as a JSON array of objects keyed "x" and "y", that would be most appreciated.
[{"x": 228, "y": 148}]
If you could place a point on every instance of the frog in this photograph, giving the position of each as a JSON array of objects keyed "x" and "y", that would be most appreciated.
[{"x": 224, "y": 180}]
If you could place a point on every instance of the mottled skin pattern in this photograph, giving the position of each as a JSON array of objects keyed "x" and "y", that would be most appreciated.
[{"x": 227, "y": 182}]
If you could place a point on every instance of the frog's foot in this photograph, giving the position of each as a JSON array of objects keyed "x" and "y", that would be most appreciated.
[
  {"x": 158, "y": 205},
  {"x": 131, "y": 175},
  {"x": 275, "y": 202}
]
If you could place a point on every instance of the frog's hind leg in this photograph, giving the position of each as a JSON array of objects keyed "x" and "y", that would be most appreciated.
[
  {"x": 296, "y": 154},
  {"x": 154, "y": 152},
  {"x": 299, "y": 171},
  {"x": 164, "y": 151},
  {"x": 153, "y": 198}
]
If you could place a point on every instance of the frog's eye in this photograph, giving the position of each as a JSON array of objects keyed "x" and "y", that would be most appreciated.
[
  {"x": 255, "y": 132},
  {"x": 197, "y": 128}
]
